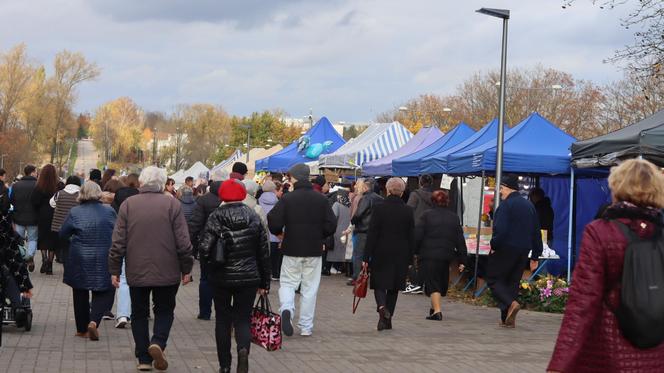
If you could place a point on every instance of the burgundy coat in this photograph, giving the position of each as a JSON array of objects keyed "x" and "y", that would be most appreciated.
[{"x": 589, "y": 338}]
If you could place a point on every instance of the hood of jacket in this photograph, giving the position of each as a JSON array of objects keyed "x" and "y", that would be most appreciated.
[
  {"x": 250, "y": 201},
  {"x": 72, "y": 189},
  {"x": 268, "y": 198},
  {"x": 187, "y": 199}
]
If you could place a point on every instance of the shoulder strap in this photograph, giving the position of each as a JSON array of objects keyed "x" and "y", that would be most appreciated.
[{"x": 628, "y": 233}]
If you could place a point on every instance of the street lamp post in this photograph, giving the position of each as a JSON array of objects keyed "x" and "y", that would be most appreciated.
[
  {"x": 178, "y": 141},
  {"x": 154, "y": 145},
  {"x": 504, "y": 14},
  {"x": 2, "y": 160},
  {"x": 248, "y": 128},
  {"x": 311, "y": 118}
]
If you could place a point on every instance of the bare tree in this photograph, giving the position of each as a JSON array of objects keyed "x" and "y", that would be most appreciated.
[{"x": 645, "y": 56}]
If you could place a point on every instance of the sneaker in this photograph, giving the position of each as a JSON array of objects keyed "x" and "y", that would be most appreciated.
[
  {"x": 93, "y": 333},
  {"x": 286, "y": 323},
  {"x": 417, "y": 291},
  {"x": 275, "y": 279},
  {"x": 108, "y": 315},
  {"x": 413, "y": 289},
  {"x": 305, "y": 333},
  {"x": 157, "y": 355},
  {"x": 121, "y": 322},
  {"x": 144, "y": 367},
  {"x": 334, "y": 271}
]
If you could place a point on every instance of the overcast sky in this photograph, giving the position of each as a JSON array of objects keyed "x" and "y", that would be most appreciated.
[{"x": 347, "y": 59}]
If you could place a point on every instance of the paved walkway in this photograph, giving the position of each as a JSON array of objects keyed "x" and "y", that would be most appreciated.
[
  {"x": 87, "y": 157},
  {"x": 468, "y": 340}
]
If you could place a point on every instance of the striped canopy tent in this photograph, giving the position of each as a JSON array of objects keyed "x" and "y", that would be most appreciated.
[
  {"x": 236, "y": 156},
  {"x": 383, "y": 166},
  {"x": 377, "y": 141}
]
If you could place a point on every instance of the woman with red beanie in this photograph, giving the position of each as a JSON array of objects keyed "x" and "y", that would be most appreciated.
[{"x": 235, "y": 276}]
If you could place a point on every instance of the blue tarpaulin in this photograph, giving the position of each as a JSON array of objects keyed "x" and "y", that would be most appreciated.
[
  {"x": 437, "y": 163},
  {"x": 411, "y": 165},
  {"x": 289, "y": 156},
  {"x": 383, "y": 166},
  {"x": 533, "y": 146}
]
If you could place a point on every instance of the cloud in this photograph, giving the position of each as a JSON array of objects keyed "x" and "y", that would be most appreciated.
[{"x": 347, "y": 59}]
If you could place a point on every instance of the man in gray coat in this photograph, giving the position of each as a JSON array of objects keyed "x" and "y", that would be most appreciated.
[{"x": 151, "y": 236}]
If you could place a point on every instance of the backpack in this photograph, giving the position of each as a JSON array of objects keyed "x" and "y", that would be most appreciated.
[{"x": 641, "y": 311}]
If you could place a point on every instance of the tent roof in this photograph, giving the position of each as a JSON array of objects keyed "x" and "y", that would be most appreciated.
[
  {"x": 236, "y": 156},
  {"x": 438, "y": 162},
  {"x": 377, "y": 141},
  {"x": 533, "y": 146},
  {"x": 412, "y": 164},
  {"x": 178, "y": 177},
  {"x": 644, "y": 138},
  {"x": 383, "y": 166},
  {"x": 196, "y": 170},
  {"x": 289, "y": 156}
]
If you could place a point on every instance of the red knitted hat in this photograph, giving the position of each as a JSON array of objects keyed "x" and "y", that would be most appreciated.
[{"x": 232, "y": 190}]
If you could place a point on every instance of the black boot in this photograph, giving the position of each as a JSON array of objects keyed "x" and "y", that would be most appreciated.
[
  {"x": 243, "y": 361},
  {"x": 438, "y": 316},
  {"x": 49, "y": 267},
  {"x": 383, "y": 319},
  {"x": 225, "y": 370}
]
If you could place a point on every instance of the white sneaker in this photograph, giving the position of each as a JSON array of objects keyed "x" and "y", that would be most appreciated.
[
  {"x": 305, "y": 333},
  {"x": 334, "y": 271},
  {"x": 121, "y": 322},
  {"x": 413, "y": 289}
]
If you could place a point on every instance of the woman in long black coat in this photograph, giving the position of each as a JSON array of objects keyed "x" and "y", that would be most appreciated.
[
  {"x": 47, "y": 184},
  {"x": 439, "y": 241},
  {"x": 390, "y": 246}
]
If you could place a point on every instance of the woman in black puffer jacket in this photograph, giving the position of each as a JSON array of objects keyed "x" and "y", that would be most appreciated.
[{"x": 245, "y": 271}]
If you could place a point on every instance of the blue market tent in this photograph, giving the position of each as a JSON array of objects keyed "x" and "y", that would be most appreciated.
[
  {"x": 288, "y": 157},
  {"x": 534, "y": 146},
  {"x": 383, "y": 166},
  {"x": 411, "y": 165},
  {"x": 437, "y": 163}
]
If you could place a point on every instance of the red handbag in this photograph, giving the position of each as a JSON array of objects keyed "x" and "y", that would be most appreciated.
[
  {"x": 360, "y": 288},
  {"x": 265, "y": 325}
]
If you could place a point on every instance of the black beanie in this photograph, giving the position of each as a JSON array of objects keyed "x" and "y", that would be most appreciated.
[{"x": 95, "y": 174}]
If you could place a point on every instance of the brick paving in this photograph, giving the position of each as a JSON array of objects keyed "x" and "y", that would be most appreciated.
[{"x": 467, "y": 340}]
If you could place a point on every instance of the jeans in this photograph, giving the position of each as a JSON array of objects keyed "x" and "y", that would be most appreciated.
[
  {"x": 239, "y": 314},
  {"x": 276, "y": 258},
  {"x": 304, "y": 271},
  {"x": 387, "y": 299},
  {"x": 204, "y": 294},
  {"x": 32, "y": 236},
  {"x": 504, "y": 271},
  {"x": 84, "y": 311},
  {"x": 163, "y": 298},
  {"x": 124, "y": 299},
  {"x": 359, "y": 242}
]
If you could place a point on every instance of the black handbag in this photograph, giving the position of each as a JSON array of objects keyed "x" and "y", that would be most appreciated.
[{"x": 218, "y": 253}]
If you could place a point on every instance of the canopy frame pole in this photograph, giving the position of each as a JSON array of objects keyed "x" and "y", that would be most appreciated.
[
  {"x": 477, "y": 234},
  {"x": 460, "y": 199},
  {"x": 571, "y": 226}
]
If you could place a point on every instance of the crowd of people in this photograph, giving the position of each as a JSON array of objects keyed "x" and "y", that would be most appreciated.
[{"x": 132, "y": 240}]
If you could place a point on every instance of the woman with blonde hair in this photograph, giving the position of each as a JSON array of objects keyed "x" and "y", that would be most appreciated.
[{"x": 590, "y": 338}]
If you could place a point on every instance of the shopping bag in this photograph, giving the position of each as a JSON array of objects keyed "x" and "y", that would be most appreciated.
[
  {"x": 360, "y": 288},
  {"x": 265, "y": 325}
]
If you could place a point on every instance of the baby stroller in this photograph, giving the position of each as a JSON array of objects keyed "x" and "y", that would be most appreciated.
[{"x": 14, "y": 308}]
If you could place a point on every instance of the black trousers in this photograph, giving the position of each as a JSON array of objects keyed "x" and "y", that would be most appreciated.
[
  {"x": 163, "y": 298},
  {"x": 86, "y": 311},
  {"x": 276, "y": 257},
  {"x": 504, "y": 271},
  {"x": 232, "y": 306},
  {"x": 204, "y": 294},
  {"x": 387, "y": 299}
]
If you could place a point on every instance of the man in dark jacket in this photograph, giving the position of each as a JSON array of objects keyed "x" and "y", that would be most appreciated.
[
  {"x": 361, "y": 220},
  {"x": 304, "y": 218},
  {"x": 4, "y": 193},
  {"x": 25, "y": 215},
  {"x": 544, "y": 211},
  {"x": 516, "y": 231},
  {"x": 204, "y": 206},
  {"x": 239, "y": 171},
  {"x": 151, "y": 235},
  {"x": 420, "y": 201}
]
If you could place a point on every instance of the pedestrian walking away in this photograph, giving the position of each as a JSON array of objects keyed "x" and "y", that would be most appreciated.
[
  {"x": 236, "y": 273},
  {"x": 516, "y": 232},
  {"x": 361, "y": 220},
  {"x": 90, "y": 228},
  {"x": 151, "y": 236},
  {"x": 24, "y": 214},
  {"x": 440, "y": 240},
  {"x": 303, "y": 218},
  {"x": 390, "y": 245}
]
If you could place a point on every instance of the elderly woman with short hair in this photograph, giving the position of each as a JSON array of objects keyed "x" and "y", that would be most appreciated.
[
  {"x": 151, "y": 235},
  {"x": 390, "y": 246},
  {"x": 89, "y": 226}
]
